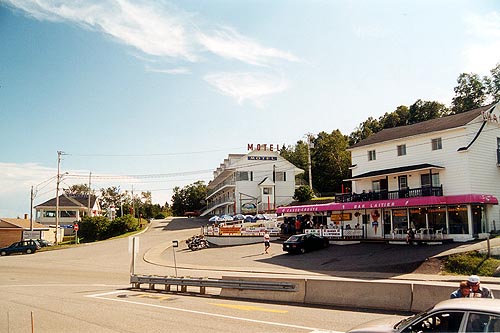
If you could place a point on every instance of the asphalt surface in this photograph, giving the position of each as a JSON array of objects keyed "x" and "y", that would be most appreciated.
[{"x": 369, "y": 261}]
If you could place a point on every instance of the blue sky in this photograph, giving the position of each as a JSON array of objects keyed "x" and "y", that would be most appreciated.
[{"x": 167, "y": 89}]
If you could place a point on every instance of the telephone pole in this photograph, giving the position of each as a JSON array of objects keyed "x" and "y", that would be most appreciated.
[
  {"x": 59, "y": 153},
  {"x": 309, "y": 146}
]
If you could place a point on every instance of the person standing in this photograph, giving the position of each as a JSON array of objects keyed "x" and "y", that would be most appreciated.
[
  {"x": 267, "y": 243},
  {"x": 462, "y": 291},
  {"x": 476, "y": 290}
]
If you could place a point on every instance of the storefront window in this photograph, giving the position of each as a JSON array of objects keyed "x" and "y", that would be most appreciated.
[
  {"x": 417, "y": 217},
  {"x": 437, "y": 218},
  {"x": 400, "y": 218},
  {"x": 457, "y": 216}
]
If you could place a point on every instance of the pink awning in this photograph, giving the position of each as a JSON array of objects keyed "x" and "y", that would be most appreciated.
[{"x": 395, "y": 203}]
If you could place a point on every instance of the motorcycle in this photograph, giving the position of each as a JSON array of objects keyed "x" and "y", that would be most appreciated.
[{"x": 197, "y": 243}]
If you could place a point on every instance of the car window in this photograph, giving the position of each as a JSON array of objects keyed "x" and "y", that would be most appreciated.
[
  {"x": 448, "y": 321},
  {"x": 480, "y": 322}
]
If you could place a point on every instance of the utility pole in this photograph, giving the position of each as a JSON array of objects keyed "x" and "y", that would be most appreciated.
[
  {"x": 59, "y": 153},
  {"x": 31, "y": 209},
  {"x": 88, "y": 208},
  {"x": 309, "y": 146}
]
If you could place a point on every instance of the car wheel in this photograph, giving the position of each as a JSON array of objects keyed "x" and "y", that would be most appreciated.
[
  {"x": 302, "y": 250},
  {"x": 3, "y": 253},
  {"x": 28, "y": 251}
]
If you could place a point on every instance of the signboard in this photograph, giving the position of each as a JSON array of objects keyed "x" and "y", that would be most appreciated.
[
  {"x": 175, "y": 243},
  {"x": 28, "y": 234},
  {"x": 76, "y": 227},
  {"x": 341, "y": 217}
]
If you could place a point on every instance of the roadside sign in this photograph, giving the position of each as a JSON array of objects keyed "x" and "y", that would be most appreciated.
[
  {"x": 76, "y": 227},
  {"x": 175, "y": 243}
]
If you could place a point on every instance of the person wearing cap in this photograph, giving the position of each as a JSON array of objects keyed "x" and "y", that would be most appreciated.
[
  {"x": 462, "y": 291},
  {"x": 476, "y": 290}
]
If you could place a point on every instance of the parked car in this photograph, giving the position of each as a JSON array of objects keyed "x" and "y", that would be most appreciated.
[
  {"x": 303, "y": 243},
  {"x": 453, "y": 315},
  {"x": 25, "y": 246},
  {"x": 44, "y": 242}
]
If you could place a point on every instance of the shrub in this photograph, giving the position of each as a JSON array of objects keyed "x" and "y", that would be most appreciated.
[
  {"x": 303, "y": 193},
  {"x": 160, "y": 216},
  {"x": 471, "y": 263}
]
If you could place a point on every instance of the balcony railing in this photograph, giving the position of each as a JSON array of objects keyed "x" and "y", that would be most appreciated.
[
  {"x": 425, "y": 191},
  {"x": 227, "y": 182}
]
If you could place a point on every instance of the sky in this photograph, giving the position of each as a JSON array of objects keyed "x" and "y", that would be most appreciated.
[{"x": 150, "y": 95}]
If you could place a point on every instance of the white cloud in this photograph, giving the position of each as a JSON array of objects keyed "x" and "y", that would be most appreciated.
[
  {"x": 167, "y": 33},
  {"x": 247, "y": 86},
  {"x": 179, "y": 70},
  {"x": 153, "y": 29},
  {"x": 228, "y": 43},
  {"x": 483, "y": 53}
]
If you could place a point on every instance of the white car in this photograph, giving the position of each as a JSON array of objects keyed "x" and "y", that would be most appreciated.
[{"x": 453, "y": 315}]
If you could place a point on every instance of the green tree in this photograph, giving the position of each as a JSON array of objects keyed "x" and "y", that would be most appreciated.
[
  {"x": 297, "y": 155},
  {"x": 493, "y": 84},
  {"x": 303, "y": 193},
  {"x": 111, "y": 197},
  {"x": 78, "y": 189},
  {"x": 189, "y": 198},
  {"x": 364, "y": 130},
  {"x": 470, "y": 93},
  {"x": 426, "y": 110},
  {"x": 330, "y": 161},
  {"x": 399, "y": 117}
]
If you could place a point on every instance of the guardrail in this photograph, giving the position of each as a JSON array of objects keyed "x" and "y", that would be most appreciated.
[{"x": 203, "y": 283}]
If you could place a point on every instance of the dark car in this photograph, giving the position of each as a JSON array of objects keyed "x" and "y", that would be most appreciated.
[
  {"x": 25, "y": 246},
  {"x": 453, "y": 315},
  {"x": 303, "y": 243},
  {"x": 43, "y": 242}
]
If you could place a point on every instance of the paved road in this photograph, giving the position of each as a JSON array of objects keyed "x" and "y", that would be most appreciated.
[{"x": 86, "y": 289}]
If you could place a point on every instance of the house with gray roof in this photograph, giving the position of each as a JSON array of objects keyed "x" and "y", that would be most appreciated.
[{"x": 71, "y": 209}]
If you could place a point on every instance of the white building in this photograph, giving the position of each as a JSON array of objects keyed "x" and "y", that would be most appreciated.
[
  {"x": 437, "y": 176},
  {"x": 253, "y": 183},
  {"x": 71, "y": 209}
]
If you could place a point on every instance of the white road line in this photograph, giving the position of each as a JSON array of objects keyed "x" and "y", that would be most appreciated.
[{"x": 311, "y": 329}]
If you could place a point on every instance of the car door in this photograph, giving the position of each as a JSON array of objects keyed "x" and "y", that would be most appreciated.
[
  {"x": 482, "y": 322},
  {"x": 442, "y": 321}
]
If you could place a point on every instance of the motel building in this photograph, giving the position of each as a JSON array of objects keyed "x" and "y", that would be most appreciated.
[
  {"x": 252, "y": 183},
  {"x": 440, "y": 177}
]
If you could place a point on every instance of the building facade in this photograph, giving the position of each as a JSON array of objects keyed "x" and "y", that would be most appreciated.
[
  {"x": 439, "y": 177},
  {"x": 71, "y": 209},
  {"x": 254, "y": 183}
]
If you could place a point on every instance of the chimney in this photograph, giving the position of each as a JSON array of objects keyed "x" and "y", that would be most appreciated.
[{"x": 25, "y": 216}]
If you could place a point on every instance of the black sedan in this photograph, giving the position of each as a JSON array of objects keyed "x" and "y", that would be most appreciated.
[
  {"x": 303, "y": 243},
  {"x": 25, "y": 246}
]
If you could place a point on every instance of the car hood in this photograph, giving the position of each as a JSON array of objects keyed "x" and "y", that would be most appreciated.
[{"x": 377, "y": 326}]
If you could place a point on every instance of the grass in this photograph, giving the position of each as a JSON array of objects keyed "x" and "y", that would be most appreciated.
[{"x": 468, "y": 263}]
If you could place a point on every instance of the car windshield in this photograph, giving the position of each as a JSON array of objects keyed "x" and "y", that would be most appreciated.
[
  {"x": 294, "y": 238},
  {"x": 408, "y": 320}
]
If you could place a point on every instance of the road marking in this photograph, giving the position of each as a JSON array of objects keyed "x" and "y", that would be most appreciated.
[
  {"x": 248, "y": 308},
  {"x": 158, "y": 297},
  {"x": 121, "y": 300}
]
